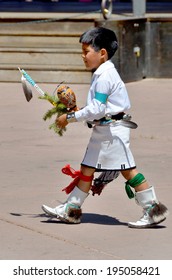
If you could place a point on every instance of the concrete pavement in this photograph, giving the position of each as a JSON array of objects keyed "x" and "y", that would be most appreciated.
[{"x": 31, "y": 160}]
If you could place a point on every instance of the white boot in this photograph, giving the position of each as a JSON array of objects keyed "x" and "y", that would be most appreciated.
[
  {"x": 153, "y": 211},
  {"x": 70, "y": 211}
]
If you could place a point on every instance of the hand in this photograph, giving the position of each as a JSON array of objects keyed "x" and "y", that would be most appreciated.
[
  {"x": 74, "y": 109},
  {"x": 61, "y": 121}
]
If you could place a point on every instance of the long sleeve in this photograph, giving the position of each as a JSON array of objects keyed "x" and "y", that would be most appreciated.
[{"x": 107, "y": 94}]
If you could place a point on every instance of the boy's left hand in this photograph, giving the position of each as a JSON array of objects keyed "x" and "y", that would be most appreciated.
[{"x": 61, "y": 121}]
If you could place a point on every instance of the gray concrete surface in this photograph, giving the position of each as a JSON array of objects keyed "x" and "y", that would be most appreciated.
[{"x": 31, "y": 160}]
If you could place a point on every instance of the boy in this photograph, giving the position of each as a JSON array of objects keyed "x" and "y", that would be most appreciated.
[{"x": 108, "y": 148}]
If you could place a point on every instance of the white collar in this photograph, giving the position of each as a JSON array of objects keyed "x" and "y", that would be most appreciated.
[{"x": 104, "y": 66}]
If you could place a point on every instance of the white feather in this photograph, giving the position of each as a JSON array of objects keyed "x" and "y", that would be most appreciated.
[{"x": 26, "y": 88}]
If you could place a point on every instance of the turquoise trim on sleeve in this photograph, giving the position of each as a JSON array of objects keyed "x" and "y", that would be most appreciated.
[{"x": 102, "y": 97}]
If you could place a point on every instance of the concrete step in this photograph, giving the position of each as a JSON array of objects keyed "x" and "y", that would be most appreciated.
[
  {"x": 47, "y": 48},
  {"x": 46, "y": 65},
  {"x": 39, "y": 41},
  {"x": 46, "y": 74},
  {"x": 47, "y": 27},
  {"x": 20, "y": 56},
  {"x": 44, "y": 35}
]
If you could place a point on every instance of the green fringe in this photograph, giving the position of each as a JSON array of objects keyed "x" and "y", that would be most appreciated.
[
  {"x": 58, "y": 110},
  {"x": 134, "y": 182}
]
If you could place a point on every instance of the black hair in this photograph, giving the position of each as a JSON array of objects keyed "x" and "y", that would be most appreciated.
[{"x": 99, "y": 38}]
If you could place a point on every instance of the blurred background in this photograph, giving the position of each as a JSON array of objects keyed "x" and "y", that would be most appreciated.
[
  {"x": 119, "y": 6},
  {"x": 42, "y": 37}
]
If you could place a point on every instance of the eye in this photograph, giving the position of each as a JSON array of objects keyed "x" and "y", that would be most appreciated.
[{"x": 84, "y": 52}]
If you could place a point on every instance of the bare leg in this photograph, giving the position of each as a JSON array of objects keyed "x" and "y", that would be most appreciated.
[
  {"x": 130, "y": 174},
  {"x": 82, "y": 185}
]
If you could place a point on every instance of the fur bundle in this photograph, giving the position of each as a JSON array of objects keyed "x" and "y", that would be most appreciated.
[
  {"x": 74, "y": 215},
  {"x": 158, "y": 212},
  {"x": 104, "y": 178}
]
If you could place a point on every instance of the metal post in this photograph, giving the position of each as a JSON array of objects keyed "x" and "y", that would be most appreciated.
[{"x": 139, "y": 7}]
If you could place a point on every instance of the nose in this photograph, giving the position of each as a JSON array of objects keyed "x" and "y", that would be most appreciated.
[{"x": 83, "y": 55}]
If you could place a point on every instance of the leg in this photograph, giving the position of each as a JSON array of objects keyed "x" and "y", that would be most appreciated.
[
  {"x": 130, "y": 174},
  {"x": 70, "y": 211},
  {"x": 82, "y": 185},
  {"x": 153, "y": 211}
]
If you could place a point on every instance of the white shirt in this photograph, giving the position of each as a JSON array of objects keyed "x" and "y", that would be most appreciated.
[{"x": 107, "y": 94}]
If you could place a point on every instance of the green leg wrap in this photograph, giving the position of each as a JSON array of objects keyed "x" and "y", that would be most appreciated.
[{"x": 134, "y": 182}]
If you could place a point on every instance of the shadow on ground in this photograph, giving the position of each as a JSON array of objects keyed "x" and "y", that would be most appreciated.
[{"x": 89, "y": 218}]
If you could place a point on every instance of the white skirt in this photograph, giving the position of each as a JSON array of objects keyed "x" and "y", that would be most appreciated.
[{"x": 108, "y": 149}]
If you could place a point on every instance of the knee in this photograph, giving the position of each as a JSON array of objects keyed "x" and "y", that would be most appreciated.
[
  {"x": 129, "y": 174},
  {"x": 87, "y": 171}
]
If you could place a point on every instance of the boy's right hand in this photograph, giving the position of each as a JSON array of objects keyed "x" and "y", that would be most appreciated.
[{"x": 61, "y": 121}]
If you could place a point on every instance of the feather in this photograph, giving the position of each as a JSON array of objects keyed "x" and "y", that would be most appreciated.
[{"x": 26, "y": 89}]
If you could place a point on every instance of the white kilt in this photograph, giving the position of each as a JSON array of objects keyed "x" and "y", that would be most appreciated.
[{"x": 108, "y": 148}]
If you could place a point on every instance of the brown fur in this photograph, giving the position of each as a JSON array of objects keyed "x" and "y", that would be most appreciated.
[{"x": 74, "y": 213}]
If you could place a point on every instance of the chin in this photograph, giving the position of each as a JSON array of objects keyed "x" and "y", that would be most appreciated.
[{"x": 88, "y": 67}]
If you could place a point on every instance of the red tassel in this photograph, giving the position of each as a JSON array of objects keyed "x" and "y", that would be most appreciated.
[
  {"x": 74, "y": 174},
  {"x": 71, "y": 186},
  {"x": 68, "y": 170}
]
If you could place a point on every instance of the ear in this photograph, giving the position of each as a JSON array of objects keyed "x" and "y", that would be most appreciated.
[{"x": 103, "y": 53}]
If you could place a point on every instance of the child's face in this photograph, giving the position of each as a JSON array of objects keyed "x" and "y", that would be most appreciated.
[{"x": 92, "y": 59}]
